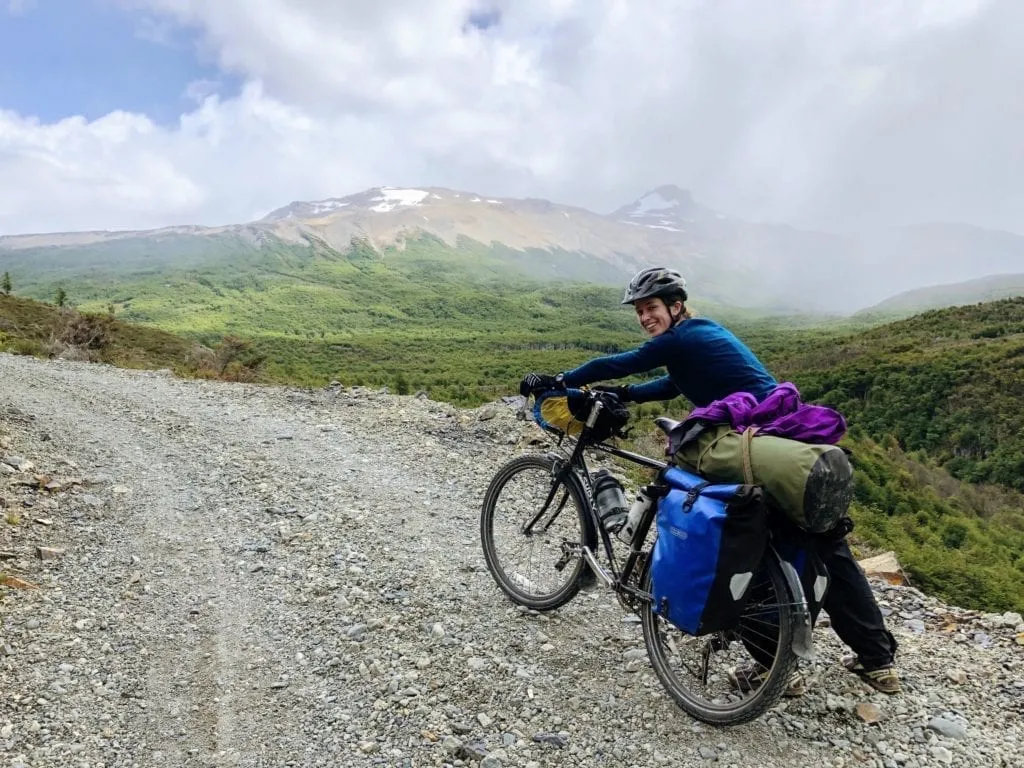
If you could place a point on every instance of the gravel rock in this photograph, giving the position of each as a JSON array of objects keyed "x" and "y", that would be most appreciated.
[
  {"x": 953, "y": 728},
  {"x": 229, "y": 598},
  {"x": 19, "y": 463},
  {"x": 554, "y": 739}
]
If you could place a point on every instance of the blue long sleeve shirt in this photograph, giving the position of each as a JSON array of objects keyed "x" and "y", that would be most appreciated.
[{"x": 705, "y": 362}]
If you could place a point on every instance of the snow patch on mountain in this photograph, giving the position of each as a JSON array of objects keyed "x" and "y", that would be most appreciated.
[
  {"x": 390, "y": 198},
  {"x": 323, "y": 206}
]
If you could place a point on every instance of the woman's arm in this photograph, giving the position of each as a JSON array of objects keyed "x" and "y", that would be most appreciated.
[
  {"x": 651, "y": 355},
  {"x": 659, "y": 389}
]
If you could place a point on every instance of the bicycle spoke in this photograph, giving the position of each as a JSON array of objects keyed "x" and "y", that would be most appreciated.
[{"x": 528, "y": 527}]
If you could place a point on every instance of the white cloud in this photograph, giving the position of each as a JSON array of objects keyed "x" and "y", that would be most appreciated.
[{"x": 839, "y": 114}]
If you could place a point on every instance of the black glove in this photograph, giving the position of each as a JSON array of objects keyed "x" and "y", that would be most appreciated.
[
  {"x": 537, "y": 382},
  {"x": 621, "y": 391}
]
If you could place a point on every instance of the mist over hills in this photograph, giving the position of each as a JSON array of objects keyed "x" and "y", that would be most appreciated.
[
  {"x": 983, "y": 289},
  {"x": 762, "y": 266}
]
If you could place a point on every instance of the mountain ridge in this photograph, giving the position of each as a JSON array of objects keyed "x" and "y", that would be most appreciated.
[
  {"x": 759, "y": 265},
  {"x": 982, "y": 289}
]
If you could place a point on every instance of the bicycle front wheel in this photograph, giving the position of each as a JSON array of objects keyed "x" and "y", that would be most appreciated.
[
  {"x": 532, "y": 528},
  {"x": 732, "y": 677}
]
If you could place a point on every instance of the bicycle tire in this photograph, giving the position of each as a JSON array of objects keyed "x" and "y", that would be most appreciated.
[
  {"x": 754, "y": 704},
  {"x": 512, "y": 587}
]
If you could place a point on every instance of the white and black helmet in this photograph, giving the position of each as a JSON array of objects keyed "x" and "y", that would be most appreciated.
[{"x": 655, "y": 281}]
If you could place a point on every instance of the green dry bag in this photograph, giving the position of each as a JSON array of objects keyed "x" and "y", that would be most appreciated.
[{"x": 811, "y": 484}]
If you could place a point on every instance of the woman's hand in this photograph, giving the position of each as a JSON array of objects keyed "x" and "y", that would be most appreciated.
[
  {"x": 621, "y": 391},
  {"x": 538, "y": 382}
]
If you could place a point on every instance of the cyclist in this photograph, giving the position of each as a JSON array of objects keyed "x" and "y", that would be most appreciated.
[{"x": 706, "y": 362}]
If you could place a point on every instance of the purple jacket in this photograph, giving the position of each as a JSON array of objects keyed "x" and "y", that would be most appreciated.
[{"x": 781, "y": 413}]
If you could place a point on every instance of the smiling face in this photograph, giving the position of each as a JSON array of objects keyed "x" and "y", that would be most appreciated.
[{"x": 654, "y": 316}]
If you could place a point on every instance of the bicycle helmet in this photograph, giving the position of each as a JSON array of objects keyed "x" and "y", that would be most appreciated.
[{"x": 654, "y": 281}]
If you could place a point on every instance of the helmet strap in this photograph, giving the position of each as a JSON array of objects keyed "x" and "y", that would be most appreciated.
[{"x": 676, "y": 319}]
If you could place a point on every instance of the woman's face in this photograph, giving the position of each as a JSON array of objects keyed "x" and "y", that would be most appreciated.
[{"x": 654, "y": 316}]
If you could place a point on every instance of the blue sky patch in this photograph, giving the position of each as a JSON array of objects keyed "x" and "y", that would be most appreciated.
[{"x": 60, "y": 58}]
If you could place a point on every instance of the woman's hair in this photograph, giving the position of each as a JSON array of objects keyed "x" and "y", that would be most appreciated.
[{"x": 672, "y": 298}]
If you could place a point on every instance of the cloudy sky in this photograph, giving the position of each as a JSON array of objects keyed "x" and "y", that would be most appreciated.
[{"x": 837, "y": 115}]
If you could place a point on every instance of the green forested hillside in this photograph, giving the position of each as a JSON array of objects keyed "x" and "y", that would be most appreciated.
[
  {"x": 962, "y": 541},
  {"x": 460, "y": 323},
  {"x": 942, "y": 388},
  {"x": 948, "y": 384},
  {"x": 30, "y": 327}
]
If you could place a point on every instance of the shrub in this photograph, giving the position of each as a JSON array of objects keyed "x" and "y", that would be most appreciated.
[
  {"x": 233, "y": 359},
  {"x": 78, "y": 336}
]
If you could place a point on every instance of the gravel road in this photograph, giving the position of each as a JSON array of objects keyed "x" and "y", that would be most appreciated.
[{"x": 269, "y": 576}]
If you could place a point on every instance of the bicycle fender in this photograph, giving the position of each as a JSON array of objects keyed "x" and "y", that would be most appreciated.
[{"x": 802, "y": 641}]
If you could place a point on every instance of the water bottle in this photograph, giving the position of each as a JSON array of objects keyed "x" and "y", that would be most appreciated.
[
  {"x": 610, "y": 499},
  {"x": 627, "y": 531}
]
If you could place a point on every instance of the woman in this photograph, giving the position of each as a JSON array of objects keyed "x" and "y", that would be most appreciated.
[{"x": 707, "y": 363}]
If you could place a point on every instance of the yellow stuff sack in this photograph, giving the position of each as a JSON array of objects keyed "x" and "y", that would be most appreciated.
[{"x": 564, "y": 411}]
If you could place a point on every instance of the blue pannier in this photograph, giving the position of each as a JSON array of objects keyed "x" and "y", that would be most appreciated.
[{"x": 711, "y": 540}]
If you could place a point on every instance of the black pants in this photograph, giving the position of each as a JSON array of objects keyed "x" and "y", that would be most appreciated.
[
  {"x": 852, "y": 608},
  {"x": 849, "y": 601}
]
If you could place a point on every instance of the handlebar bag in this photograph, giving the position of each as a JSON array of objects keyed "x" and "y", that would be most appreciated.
[
  {"x": 711, "y": 540},
  {"x": 565, "y": 411}
]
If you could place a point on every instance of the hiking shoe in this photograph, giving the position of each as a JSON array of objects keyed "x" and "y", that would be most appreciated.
[
  {"x": 749, "y": 678},
  {"x": 885, "y": 679}
]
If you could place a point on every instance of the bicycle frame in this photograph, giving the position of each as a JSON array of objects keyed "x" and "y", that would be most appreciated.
[{"x": 619, "y": 580}]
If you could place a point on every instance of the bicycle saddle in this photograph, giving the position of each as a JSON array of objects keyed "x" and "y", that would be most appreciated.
[{"x": 665, "y": 424}]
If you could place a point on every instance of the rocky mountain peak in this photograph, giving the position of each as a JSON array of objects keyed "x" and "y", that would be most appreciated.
[
  {"x": 667, "y": 207},
  {"x": 672, "y": 194}
]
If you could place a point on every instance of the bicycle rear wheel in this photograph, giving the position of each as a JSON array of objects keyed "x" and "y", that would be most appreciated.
[
  {"x": 535, "y": 559},
  {"x": 700, "y": 672}
]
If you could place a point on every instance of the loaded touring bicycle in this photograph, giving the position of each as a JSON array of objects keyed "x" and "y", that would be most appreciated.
[{"x": 701, "y": 563}]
